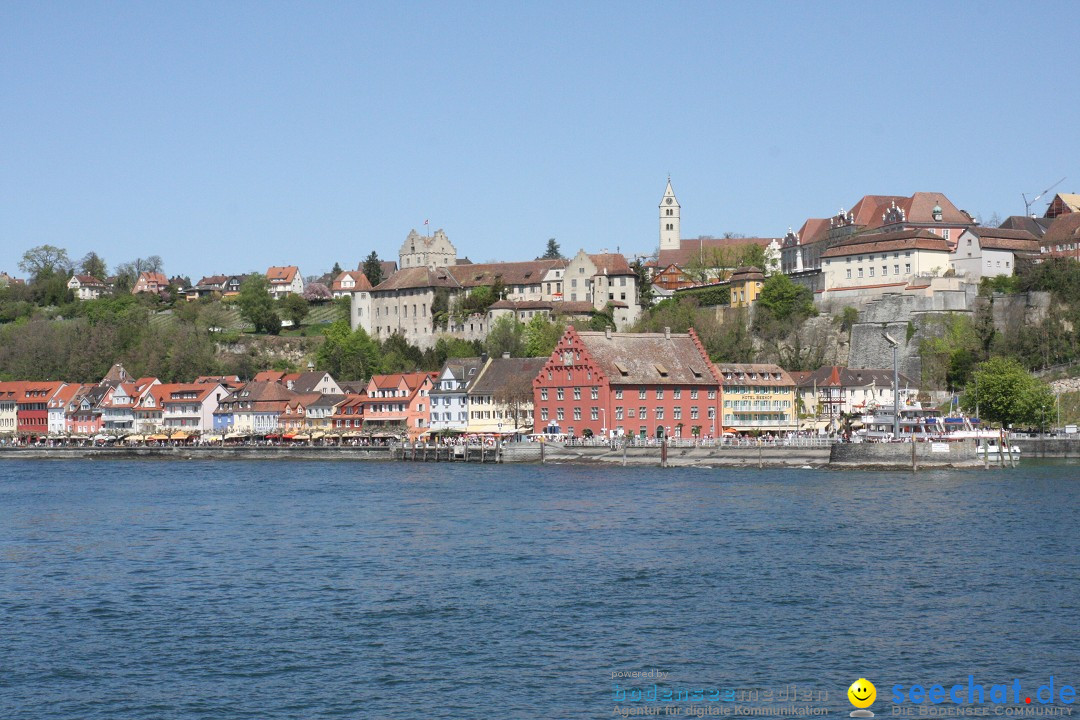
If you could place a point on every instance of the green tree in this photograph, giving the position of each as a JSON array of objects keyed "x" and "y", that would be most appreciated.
[
  {"x": 644, "y": 283},
  {"x": 295, "y": 308},
  {"x": 93, "y": 265},
  {"x": 552, "y": 252},
  {"x": 45, "y": 260},
  {"x": 256, "y": 305},
  {"x": 348, "y": 354},
  {"x": 542, "y": 335},
  {"x": 752, "y": 255},
  {"x": 506, "y": 335},
  {"x": 603, "y": 319},
  {"x": 335, "y": 271},
  {"x": 1007, "y": 393},
  {"x": 784, "y": 298},
  {"x": 373, "y": 269}
]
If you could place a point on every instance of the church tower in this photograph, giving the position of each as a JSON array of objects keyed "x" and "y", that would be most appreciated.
[{"x": 669, "y": 220}]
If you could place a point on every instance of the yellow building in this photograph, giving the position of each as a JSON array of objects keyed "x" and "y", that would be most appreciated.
[
  {"x": 746, "y": 284},
  {"x": 500, "y": 399},
  {"x": 757, "y": 397}
]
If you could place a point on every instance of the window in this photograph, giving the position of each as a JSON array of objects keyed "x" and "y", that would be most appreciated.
[
  {"x": 659, "y": 393},
  {"x": 907, "y": 268},
  {"x": 559, "y": 413},
  {"x": 577, "y": 393},
  {"x": 543, "y": 394},
  {"x": 693, "y": 394},
  {"x": 871, "y": 272},
  {"x": 559, "y": 394},
  {"x": 849, "y": 273},
  {"x": 896, "y": 269},
  {"x": 577, "y": 413},
  {"x": 618, "y": 393},
  {"x": 694, "y": 413},
  {"x": 676, "y": 412},
  {"x": 660, "y": 412},
  {"x": 594, "y": 393},
  {"x": 860, "y": 272},
  {"x": 712, "y": 413},
  {"x": 641, "y": 393},
  {"x": 884, "y": 270},
  {"x": 712, "y": 394},
  {"x": 642, "y": 412},
  {"x": 594, "y": 413},
  {"x": 618, "y": 412},
  {"x": 676, "y": 393}
]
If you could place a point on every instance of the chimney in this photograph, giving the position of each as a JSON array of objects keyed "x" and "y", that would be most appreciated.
[
  {"x": 483, "y": 358},
  {"x": 506, "y": 356},
  {"x": 607, "y": 332},
  {"x": 667, "y": 333}
]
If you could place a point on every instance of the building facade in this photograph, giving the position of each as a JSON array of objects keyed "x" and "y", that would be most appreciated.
[
  {"x": 616, "y": 384},
  {"x": 758, "y": 397}
]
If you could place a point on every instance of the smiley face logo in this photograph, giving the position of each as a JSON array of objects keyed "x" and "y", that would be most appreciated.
[{"x": 862, "y": 694}]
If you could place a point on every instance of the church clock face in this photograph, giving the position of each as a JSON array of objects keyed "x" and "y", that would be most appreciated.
[{"x": 669, "y": 201}]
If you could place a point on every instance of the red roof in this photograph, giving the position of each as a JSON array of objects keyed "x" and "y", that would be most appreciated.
[
  {"x": 282, "y": 275},
  {"x": 360, "y": 281}
]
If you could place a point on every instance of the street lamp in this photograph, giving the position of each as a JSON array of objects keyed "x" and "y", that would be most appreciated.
[
  {"x": 895, "y": 385},
  {"x": 603, "y": 420}
]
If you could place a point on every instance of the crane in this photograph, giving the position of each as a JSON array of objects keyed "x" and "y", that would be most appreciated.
[{"x": 1029, "y": 203}]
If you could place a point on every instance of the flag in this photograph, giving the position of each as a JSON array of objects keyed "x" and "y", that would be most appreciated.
[{"x": 425, "y": 222}]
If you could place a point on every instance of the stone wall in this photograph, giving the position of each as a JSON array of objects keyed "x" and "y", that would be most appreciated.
[{"x": 898, "y": 455}]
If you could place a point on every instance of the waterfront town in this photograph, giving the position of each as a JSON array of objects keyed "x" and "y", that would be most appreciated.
[{"x": 886, "y": 268}]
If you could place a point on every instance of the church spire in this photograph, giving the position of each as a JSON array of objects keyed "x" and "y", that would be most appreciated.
[{"x": 669, "y": 219}]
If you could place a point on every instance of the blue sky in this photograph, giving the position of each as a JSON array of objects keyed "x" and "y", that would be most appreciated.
[{"x": 226, "y": 137}]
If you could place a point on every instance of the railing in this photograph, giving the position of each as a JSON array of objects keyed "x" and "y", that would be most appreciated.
[{"x": 795, "y": 441}]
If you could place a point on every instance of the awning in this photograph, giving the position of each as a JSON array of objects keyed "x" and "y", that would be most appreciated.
[
  {"x": 813, "y": 424},
  {"x": 302, "y": 437},
  {"x": 158, "y": 437},
  {"x": 179, "y": 435},
  {"x": 133, "y": 438}
]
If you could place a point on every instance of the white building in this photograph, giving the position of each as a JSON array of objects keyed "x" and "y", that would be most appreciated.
[
  {"x": 603, "y": 279},
  {"x": 449, "y": 400},
  {"x": 875, "y": 263},
  {"x": 86, "y": 287},
  {"x": 987, "y": 252},
  {"x": 285, "y": 280},
  {"x": 430, "y": 251}
]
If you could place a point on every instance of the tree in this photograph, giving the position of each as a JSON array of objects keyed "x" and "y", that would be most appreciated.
[
  {"x": 752, "y": 255},
  {"x": 644, "y": 284},
  {"x": 256, "y": 305},
  {"x": 1007, "y": 393},
  {"x": 45, "y": 260},
  {"x": 295, "y": 308},
  {"x": 93, "y": 265},
  {"x": 373, "y": 269},
  {"x": 317, "y": 292},
  {"x": 348, "y": 354},
  {"x": 541, "y": 336},
  {"x": 552, "y": 252},
  {"x": 336, "y": 270},
  {"x": 514, "y": 395},
  {"x": 506, "y": 335},
  {"x": 784, "y": 298}
]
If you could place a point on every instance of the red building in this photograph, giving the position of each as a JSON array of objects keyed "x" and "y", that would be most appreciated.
[
  {"x": 400, "y": 401},
  {"x": 644, "y": 384},
  {"x": 32, "y": 406}
]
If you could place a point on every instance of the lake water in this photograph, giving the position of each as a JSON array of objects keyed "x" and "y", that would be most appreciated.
[{"x": 152, "y": 589}]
